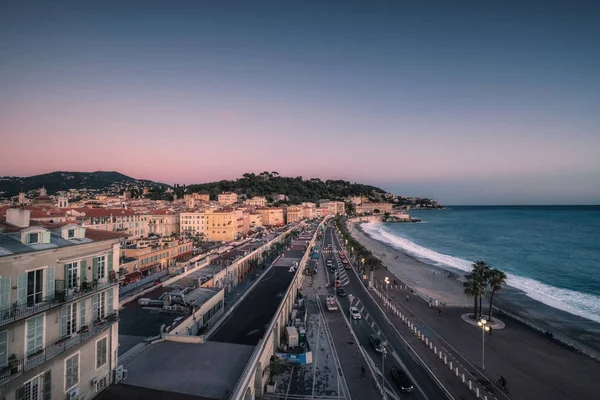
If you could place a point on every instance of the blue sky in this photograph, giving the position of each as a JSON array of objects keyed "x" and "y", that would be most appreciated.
[{"x": 466, "y": 102}]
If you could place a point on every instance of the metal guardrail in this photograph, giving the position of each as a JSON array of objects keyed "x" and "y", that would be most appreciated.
[{"x": 62, "y": 295}]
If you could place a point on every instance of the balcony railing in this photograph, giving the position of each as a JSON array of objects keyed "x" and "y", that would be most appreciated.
[
  {"x": 17, "y": 366},
  {"x": 62, "y": 294}
]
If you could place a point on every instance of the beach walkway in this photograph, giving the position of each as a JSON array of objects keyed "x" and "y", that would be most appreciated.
[{"x": 533, "y": 365}]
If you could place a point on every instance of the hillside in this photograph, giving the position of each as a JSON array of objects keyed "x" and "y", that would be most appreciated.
[
  {"x": 297, "y": 189},
  {"x": 64, "y": 180}
]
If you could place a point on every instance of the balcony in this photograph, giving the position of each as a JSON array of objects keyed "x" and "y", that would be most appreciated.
[
  {"x": 18, "y": 366},
  {"x": 62, "y": 294}
]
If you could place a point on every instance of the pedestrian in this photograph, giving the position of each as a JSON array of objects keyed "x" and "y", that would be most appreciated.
[
  {"x": 440, "y": 313},
  {"x": 407, "y": 297},
  {"x": 364, "y": 370},
  {"x": 490, "y": 331}
]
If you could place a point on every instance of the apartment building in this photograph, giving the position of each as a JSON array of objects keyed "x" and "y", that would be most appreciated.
[
  {"x": 257, "y": 201},
  {"x": 294, "y": 214},
  {"x": 197, "y": 196},
  {"x": 334, "y": 207},
  {"x": 227, "y": 198},
  {"x": 192, "y": 223},
  {"x": 147, "y": 257},
  {"x": 308, "y": 212},
  {"x": 163, "y": 222},
  {"x": 369, "y": 208},
  {"x": 271, "y": 216},
  {"x": 222, "y": 225},
  {"x": 58, "y": 309},
  {"x": 255, "y": 220},
  {"x": 113, "y": 220}
]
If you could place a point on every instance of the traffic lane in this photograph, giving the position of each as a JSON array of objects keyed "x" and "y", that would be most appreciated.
[
  {"x": 362, "y": 329},
  {"x": 421, "y": 377}
]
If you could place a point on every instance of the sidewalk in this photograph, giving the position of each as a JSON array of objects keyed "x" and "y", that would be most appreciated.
[{"x": 534, "y": 366}]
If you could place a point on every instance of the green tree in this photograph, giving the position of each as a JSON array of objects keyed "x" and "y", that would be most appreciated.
[
  {"x": 472, "y": 288},
  {"x": 496, "y": 279}
]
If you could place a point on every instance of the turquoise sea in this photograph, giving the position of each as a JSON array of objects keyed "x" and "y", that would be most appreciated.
[{"x": 552, "y": 253}]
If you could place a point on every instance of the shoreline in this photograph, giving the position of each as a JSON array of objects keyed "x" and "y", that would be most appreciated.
[{"x": 445, "y": 284}]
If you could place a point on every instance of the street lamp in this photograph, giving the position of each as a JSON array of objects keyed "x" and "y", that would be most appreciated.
[
  {"x": 484, "y": 328},
  {"x": 387, "y": 292}
]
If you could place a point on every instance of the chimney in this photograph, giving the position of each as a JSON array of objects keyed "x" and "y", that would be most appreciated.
[{"x": 18, "y": 217}]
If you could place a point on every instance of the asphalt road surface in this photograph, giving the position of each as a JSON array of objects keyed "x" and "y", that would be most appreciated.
[{"x": 373, "y": 321}]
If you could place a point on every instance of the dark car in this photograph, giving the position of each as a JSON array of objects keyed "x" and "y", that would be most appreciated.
[
  {"x": 376, "y": 342},
  {"x": 341, "y": 292},
  {"x": 402, "y": 380}
]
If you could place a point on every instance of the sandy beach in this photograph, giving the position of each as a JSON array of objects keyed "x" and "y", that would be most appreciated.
[{"x": 445, "y": 285}]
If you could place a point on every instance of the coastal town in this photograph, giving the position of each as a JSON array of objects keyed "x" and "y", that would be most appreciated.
[{"x": 96, "y": 287}]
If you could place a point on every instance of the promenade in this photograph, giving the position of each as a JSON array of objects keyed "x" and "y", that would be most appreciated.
[{"x": 533, "y": 365}]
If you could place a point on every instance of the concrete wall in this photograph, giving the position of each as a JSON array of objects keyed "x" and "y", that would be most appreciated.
[{"x": 191, "y": 325}]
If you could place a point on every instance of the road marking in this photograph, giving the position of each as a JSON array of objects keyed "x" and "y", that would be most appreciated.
[{"x": 317, "y": 350}]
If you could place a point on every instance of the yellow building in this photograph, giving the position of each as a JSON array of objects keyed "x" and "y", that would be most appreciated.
[
  {"x": 227, "y": 198},
  {"x": 294, "y": 214},
  {"x": 257, "y": 201},
  {"x": 368, "y": 208},
  {"x": 150, "y": 256},
  {"x": 222, "y": 225},
  {"x": 255, "y": 220},
  {"x": 271, "y": 216},
  {"x": 197, "y": 196},
  {"x": 308, "y": 212},
  {"x": 335, "y": 207}
]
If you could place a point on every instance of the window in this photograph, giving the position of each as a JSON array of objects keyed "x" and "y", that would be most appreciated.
[
  {"x": 35, "y": 288},
  {"x": 71, "y": 372},
  {"x": 71, "y": 233},
  {"x": 72, "y": 272},
  {"x": 99, "y": 306},
  {"x": 35, "y": 334},
  {"x": 101, "y": 267},
  {"x": 33, "y": 238},
  {"x": 101, "y": 352},
  {"x": 38, "y": 388},
  {"x": 68, "y": 320},
  {"x": 3, "y": 348}
]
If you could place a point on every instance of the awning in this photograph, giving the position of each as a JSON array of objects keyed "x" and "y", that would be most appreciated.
[
  {"x": 149, "y": 266},
  {"x": 187, "y": 253}
]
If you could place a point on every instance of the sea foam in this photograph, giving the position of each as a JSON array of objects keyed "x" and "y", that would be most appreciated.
[{"x": 577, "y": 303}]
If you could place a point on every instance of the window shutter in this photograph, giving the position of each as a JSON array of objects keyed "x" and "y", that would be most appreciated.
[
  {"x": 66, "y": 278},
  {"x": 110, "y": 260},
  {"x": 45, "y": 237},
  {"x": 95, "y": 304},
  {"x": 64, "y": 317},
  {"x": 4, "y": 293},
  {"x": 47, "y": 388},
  {"x": 83, "y": 270},
  {"x": 3, "y": 348},
  {"x": 22, "y": 288},
  {"x": 21, "y": 393},
  {"x": 110, "y": 301},
  {"x": 50, "y": 282},
  {"x": 82, "y": 313},
  {"x": 95, "y": 269}
]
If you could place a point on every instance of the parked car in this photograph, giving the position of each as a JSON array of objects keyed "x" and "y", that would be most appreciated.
[
  {"x": 341, "y": 292},
  {"x": 402, "y": 380},
  {"x": 355, "y": 313},
  {"x": 376, "y": 342}
]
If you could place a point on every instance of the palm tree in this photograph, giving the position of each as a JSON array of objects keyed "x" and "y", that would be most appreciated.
[
  {"x": 481, "y": 273},
  {"x": 496, "y": 280},
  {"x": 472, "y": 288}
]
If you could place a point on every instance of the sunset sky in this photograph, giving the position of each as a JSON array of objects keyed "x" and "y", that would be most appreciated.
[{"x": 465, "y": 102}]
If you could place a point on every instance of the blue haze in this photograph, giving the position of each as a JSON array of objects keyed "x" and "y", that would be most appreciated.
[{"x": 550, "y": 252}]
